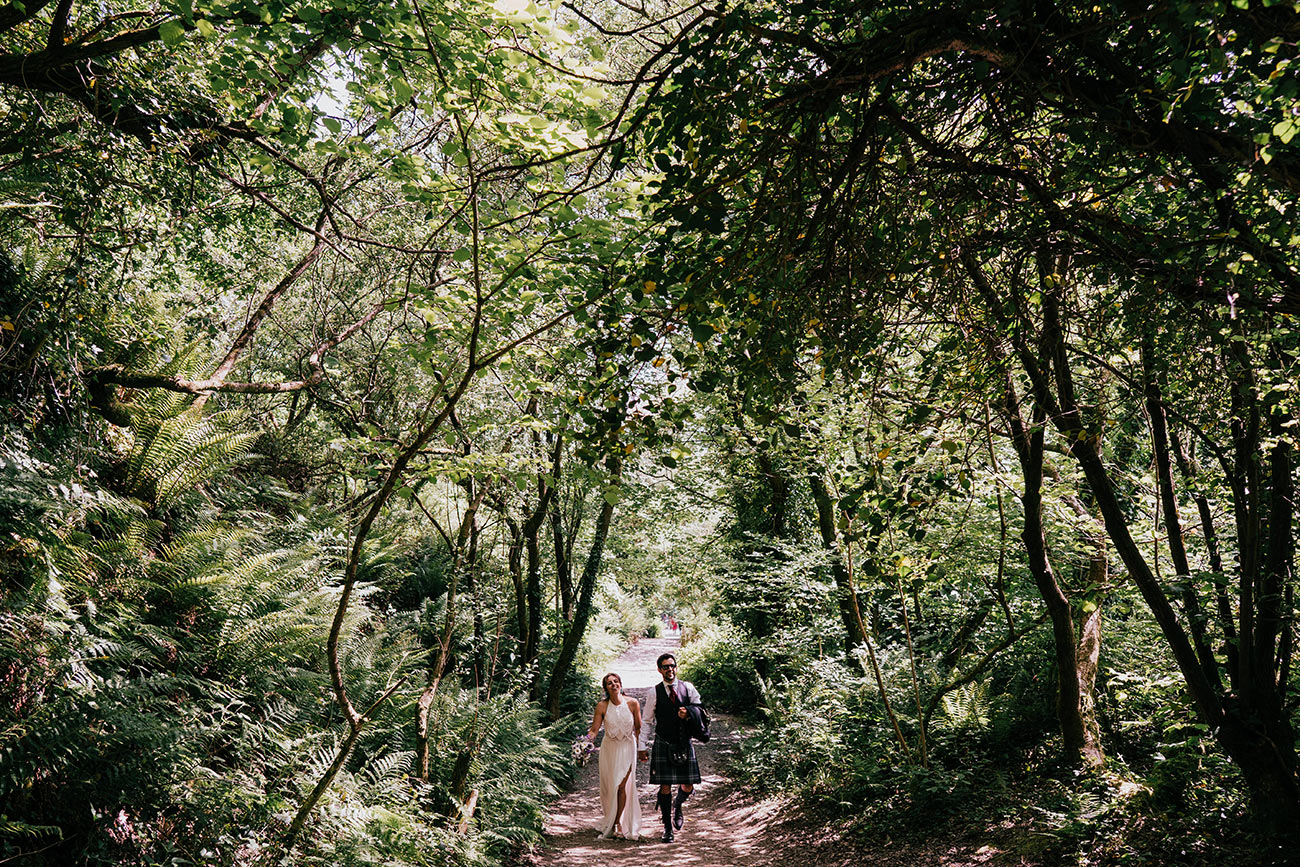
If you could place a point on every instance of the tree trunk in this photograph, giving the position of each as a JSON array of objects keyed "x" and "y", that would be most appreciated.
[
  {"x": 345, "y": 749},
  {"x": 476, "y": 600},
  {"x": 1248, "y": 719},
  {"x": 562, "y": 543},
  {"x": 854, "y": 636},
  {"x": 1196, "y": 619},
  {"x": 563, "y": 565},
  {"x": 586, "y": 592},
  {"x": 533, "y": 598},
  {"x": 531, "y": 530},
  {"x": 1088, "y": 633},
  {"x": 779, "y": 484},
  {"x": 514, "y": 566},
  {"x": 1086, "y": 656},
  {"x": 1265, "y": 753},
  {"x": 1076, "y": 662},
  {"x": 1188, "y": 469},
  {"x": 869, "y": 643},
  {"x": 438, "y": 666},
  {"x": 357, "y": 719}
]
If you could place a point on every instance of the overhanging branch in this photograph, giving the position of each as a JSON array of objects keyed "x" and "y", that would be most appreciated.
[{"x": 104, "y": 381}]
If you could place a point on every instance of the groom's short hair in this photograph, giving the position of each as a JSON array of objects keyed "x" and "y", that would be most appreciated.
[{"x": 660, "y": 662}]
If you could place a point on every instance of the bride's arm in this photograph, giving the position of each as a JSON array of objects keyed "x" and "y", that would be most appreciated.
[{"x": 597, "y": 719}]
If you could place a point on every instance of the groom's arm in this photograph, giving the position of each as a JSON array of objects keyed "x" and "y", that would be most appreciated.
[{"x": 647, "y": 720}]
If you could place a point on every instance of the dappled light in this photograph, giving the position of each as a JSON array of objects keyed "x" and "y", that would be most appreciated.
[{"x": 376, "y": 378}]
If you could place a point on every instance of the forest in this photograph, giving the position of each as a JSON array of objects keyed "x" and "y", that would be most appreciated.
[{"x": 370, "y": 372}]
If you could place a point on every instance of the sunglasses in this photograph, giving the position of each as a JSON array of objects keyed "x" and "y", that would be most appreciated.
[{"x": 668, "y": 665}]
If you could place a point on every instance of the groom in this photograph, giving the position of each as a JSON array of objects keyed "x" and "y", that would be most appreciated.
[{"x": 666, "y": 712}]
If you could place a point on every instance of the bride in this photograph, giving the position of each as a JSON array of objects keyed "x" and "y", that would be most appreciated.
[{"x": 621, "y": 716}]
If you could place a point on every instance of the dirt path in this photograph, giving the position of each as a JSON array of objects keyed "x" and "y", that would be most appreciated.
[
  {"x": 722, "y": 829},
  {"x": 724, "y": 826},
  {"x": 707, "y": 839}
]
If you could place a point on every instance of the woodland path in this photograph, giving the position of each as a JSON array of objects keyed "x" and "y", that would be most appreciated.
[{"x": 725, "y": 827}]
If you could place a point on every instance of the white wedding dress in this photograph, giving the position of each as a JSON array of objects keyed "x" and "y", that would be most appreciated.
[{"x": 618, "y": 766}]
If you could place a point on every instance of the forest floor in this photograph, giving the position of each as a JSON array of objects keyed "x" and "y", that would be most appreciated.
[{"x": 727, "y": 826}]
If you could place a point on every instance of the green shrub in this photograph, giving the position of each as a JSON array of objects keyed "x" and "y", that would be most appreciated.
[{"x": 721, "y": 665}]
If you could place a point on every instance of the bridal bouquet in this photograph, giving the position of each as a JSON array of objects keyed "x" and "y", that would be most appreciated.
[{"x": 582, "y": 750}]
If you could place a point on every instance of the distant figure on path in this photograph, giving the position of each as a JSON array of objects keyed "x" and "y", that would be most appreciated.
[
  {"x": 621, "y": 716},
  {"x": 673, "y": 758}
]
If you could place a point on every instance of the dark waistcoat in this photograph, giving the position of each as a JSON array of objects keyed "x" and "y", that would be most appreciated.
[{"x": 667, "y": 725}]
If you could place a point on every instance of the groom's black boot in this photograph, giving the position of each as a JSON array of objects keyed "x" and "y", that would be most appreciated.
[
  {"x": 665, "y": 803},
  {"x": 678, "y": 818}
]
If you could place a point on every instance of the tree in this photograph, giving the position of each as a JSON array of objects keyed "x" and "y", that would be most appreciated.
[{"x": 846, "y": 168}]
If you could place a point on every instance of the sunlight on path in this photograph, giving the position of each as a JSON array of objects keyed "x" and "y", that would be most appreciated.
[{"x": 637, "y": 664}]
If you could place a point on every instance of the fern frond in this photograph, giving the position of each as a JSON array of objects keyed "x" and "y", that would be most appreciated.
[
  {"x": 24, "y": 831},
  {"x": 387, "y": 768},
  {"x": 968, "y": 705},
  {"x": 173, "y": 455}
]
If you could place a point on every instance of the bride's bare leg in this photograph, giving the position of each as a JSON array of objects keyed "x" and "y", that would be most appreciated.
[{"x": 622, "y": 800}]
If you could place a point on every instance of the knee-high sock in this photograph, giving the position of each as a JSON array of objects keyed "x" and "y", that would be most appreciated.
[{"x": 665, "y": 803}]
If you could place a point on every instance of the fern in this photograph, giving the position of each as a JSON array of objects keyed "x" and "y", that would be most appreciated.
[
  {"x": 23, "y": 830},
  {"x": 968, "y": 706},
  {"x": 167, "y": 650},
  {"x": 173, "y": 455},
  {"x": 384, "y": 771}
]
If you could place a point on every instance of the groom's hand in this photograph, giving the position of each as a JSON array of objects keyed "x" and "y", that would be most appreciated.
[
  {"x": 681, "y": 713},
  {"x": 643, "y": 755}
]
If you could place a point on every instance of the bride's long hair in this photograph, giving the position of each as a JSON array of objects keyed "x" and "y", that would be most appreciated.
[{"x": 604, "y": 683}]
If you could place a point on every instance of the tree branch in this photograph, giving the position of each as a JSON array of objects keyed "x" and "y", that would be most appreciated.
[
  {"x": 59, "y": 26},
  {"x": 102, "y": 380}
]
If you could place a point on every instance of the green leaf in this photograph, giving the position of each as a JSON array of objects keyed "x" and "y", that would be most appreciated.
[{"x": 172, "y": 32}]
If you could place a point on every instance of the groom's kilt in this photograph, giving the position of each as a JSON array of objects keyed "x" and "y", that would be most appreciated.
[{"x": 664, "y": 772}]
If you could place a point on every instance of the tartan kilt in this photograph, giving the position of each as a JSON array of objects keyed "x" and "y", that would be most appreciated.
[{"x": 664, "y": 772}]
